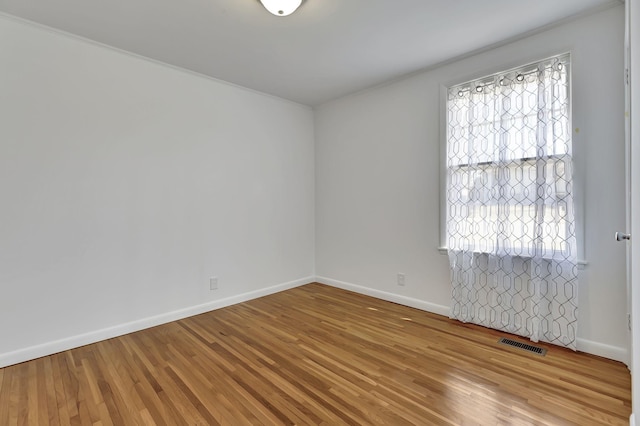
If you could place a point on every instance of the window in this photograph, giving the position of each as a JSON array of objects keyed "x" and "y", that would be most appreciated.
[{"x": 509, "y": 163}]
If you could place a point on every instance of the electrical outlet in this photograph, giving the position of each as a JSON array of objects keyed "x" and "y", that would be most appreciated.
[
  {"x": 400, "y": 279},
  {"x": 213, "y": 283}
]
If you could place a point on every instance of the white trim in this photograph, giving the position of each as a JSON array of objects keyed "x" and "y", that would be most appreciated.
[
  {"x": 389, "y": 297},
  {"x": 632, "y": 420},
  {"x": 77, "y": 37},
  {"x": 606, "y": 351},
  {"x": 581, "y": 263},
  {"x": 588, "y": 346},
  {"x": 49, "y": 348}
]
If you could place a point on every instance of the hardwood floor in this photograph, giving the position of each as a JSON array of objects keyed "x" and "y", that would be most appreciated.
[{"x": 314, "y": 355}]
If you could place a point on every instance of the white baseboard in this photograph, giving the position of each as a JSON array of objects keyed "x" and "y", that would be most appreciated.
[
  {"x": 390, "y": 297},
  {"x": 37, "y": 351},
  {"x": 606, "y": 351},
  {"x": 588, "y": 346},
  {"x": 632, "y": 420}
]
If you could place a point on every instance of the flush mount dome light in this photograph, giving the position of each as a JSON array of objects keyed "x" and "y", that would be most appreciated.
[{"x": 281, "y": 7}]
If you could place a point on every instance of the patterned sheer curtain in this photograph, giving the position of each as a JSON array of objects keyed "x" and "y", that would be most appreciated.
[{"x": 510, "y": 211}]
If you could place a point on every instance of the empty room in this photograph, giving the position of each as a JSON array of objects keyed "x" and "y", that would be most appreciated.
[{"x": 229, "y": 212}]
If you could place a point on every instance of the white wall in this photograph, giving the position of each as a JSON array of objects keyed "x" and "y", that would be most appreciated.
[
  {"x": 378, "y": 182},
  {"x": 125, "y": 184}
]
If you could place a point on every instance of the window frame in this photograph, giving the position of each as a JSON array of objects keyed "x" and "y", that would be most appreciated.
[{"x": 579, "y": 176}]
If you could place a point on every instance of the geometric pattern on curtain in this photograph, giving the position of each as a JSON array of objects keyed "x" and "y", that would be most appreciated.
[{"x": 511, "y": 232}]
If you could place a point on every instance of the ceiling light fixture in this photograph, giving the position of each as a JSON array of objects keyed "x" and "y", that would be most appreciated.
[{"x": 281, "y": 7}]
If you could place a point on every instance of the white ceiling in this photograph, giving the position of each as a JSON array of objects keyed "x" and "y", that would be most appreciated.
[{"x": 327, "y": 49}]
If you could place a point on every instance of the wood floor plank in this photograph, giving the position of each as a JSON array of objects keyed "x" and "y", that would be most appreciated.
[
  {"x": 50, "y": 390},
  {"x": 61, "y": 401},
  {"x": 314, "y": 355},
  {"x": 5, "y": 386}
]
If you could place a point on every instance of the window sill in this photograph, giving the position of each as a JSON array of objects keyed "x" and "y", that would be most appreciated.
[{"x": 582, "y": 264}]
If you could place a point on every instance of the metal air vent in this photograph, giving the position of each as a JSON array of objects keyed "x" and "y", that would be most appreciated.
[{"x": 524, "y": 346}]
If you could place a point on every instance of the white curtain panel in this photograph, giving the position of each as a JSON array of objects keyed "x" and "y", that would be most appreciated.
[{"x": 510, "y": 210}]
